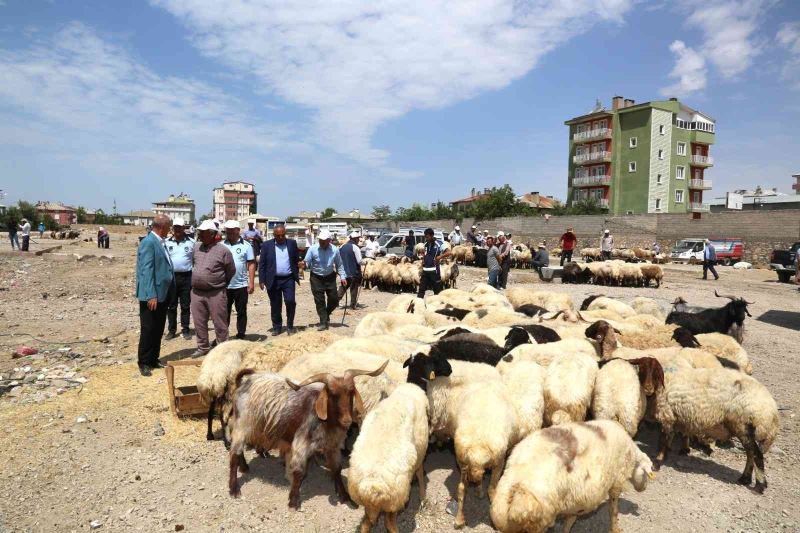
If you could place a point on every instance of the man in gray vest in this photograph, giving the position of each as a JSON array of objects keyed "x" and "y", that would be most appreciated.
[{"x": 351, "y": 260}]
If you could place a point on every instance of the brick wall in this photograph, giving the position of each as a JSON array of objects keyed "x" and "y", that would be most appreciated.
[{"x": 761, "y": 231}]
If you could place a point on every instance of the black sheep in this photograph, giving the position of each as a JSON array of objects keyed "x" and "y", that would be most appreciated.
[
  {"x": 422, "y": 368},
  {"x": 716, "y": 320},
  {"x": 574, "y": 273},
  {"x": 453, "y": 312},
  {"x": 541, "y": 334},
  {"x": 530, "y": 310},
  {"x": 470, "y": 347},
  {"x": 685, "y": 338}
]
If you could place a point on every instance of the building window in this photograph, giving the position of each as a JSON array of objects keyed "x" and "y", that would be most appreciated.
[
  {"x": 658, "y": 178},
  {"x": 679, "y": 196},
  {"x": 698, "y": 174},
  {"x": 661, "y": 129},
  {"x": 661, "y": 154},
  {"x": 632, "y": 142},
  {"x": 658, "y": 204},
  {"x": 681, "y": 148},
  {"x": 679, "y": 172},
  {"x": 632, "y": 166}
]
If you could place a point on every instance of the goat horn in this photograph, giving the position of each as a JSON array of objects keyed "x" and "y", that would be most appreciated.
[
  {"x": 581, "y": 317},
  {"x": 552, "y": 317},
  {"x": 749, "y": 303},
  {"x": 724, "y": 295},
  {"x": 316, "y": 378},
  {"x": 352, "y": 373}
]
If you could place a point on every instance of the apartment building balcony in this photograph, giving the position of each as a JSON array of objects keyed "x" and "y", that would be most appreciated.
[
  {"x": 592, "y": 135},
  {"x": 592, "y": 157},
  {"x": 702, "y": 160},
  {"x": 603, "y": 202},
  {"x": 697, "y": 207},
  {"x": 589, "y": 181},
  {"x": 702, "y": 185}
]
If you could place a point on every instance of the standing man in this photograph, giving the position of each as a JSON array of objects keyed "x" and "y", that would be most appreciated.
[
  {"x": 455, "y": 236},
  {"x": 103, "y": 239},
  {"x": 505, "y": 259},
  {"x": 606, "y": 245},
  {"x": 41, "y": 229},
  {"x": 254, "y": 236},
  {"x": 567, "y": 244},
  {"x": 155, "y": 284},
  {"x": 472, "y": 238},
  {"x": 371, "y": 248},
  {"x": 25, "y": 228},
  {"x": 324, "y": 261},
  {"x": 277, "y": 274},
  {"x": 410, "y": 241},
  {"x": 181, "y": 251},
  {"x": 709, "y": 260},
  {"x": 431, "y": 276},
  {"x": 541, "y": 259},
  {"x": 493, "y": 262},
  {"x": 485, "y": 238},
  {"x": 243, "y": 283},
  {"x": 351, "y": 260},
  {"x": 212, "y": 269},
  {"x": 13, "y": 228}
]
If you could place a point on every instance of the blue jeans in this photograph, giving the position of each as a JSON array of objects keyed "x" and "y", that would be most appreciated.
[
  {"x": 282, "y": 290},
  {"x": 493, "y": 278},
  {"x": 14, "y": 239}
]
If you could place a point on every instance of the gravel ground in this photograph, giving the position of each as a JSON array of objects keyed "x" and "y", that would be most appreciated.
[{"x": 92, "y": 444}]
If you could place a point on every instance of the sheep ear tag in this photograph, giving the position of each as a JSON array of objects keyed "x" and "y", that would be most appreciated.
[
  {"x": 432, "y": 375},
  {"x": 651, "y": 475}
]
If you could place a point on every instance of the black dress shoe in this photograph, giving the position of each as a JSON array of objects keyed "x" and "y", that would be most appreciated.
[
  {"x": 145, "y": 370},
  {"x": 170, "y": 335},
  {"x": 291, "y": 331},
  {"x": 157, "y": 364},
  {"x": 240, "y": 336},
  {"x": 322, "y": 327},
  {"x": 276, "y": 331}
]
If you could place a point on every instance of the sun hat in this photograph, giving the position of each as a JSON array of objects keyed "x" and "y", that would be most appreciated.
[
  {"x": 207, "y": 225},
  {"x": 231, "y": 224}
]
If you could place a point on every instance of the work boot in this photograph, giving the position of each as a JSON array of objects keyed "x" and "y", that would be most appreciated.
[
  {"x": 145, "y": 370},
  {"x": 170, "y": 335}
]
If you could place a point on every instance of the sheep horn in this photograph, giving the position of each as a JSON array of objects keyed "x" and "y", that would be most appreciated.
[
  {"x": 316, "y": 378},
  {"x": 554, "y": 316},
  {"x": 730, "y": 297},
  {"x": 354, "y": 373},
  {"x": 581, "y": 317}
]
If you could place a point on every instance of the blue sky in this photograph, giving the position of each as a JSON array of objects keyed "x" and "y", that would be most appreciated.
[{"x": 352, "y": 104}]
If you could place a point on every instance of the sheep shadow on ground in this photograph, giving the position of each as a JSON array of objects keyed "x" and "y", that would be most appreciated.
[{"x": 784, "y": 319}]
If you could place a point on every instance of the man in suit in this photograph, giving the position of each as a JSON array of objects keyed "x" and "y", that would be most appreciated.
[
  {"x": 277, "y": 273},
  {"x": 155, "y": 284}
]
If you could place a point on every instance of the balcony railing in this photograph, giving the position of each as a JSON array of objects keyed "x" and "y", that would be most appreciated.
[
  {"x": 588, "y": 181},
  {"x": 591, "y": 157},
  {"x": 590, "y": 135},
  {"x": 700, "y": 184},
  {"x": 698, "y": 207},
  {"x": 706, "y": 160}
]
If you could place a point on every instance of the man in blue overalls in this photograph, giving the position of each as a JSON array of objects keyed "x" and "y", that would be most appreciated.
[{"x": 431, "y": 277}]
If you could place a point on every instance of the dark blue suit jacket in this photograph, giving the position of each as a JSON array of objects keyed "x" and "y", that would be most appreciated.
[{"x": 267, "y": 267}]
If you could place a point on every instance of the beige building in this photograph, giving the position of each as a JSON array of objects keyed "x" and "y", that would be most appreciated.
[
  {"x": 180, "y": 206},
  {"x": 235, "y": 200},
  {"x": 138, "y": 218}
]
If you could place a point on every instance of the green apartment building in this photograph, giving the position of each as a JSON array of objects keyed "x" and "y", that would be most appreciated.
[{"x": 641, "y": 158}]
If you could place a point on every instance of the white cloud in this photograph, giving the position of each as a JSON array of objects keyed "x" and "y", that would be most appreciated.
[
  {"x": 789, "y": 38},
  {"x": 358, "y": 64},
  {"x": 727, "y": 33},
  {"x": 690, "y": 71}
]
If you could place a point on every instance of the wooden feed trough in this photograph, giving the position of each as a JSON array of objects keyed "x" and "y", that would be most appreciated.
[{"x": 184, "y": 400}]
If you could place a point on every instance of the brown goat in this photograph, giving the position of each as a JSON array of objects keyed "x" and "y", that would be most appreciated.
[
  {"x": 299, "y": 420},
  {"x": 606, "y": 335},
  {"x": 651, "y": 374}
]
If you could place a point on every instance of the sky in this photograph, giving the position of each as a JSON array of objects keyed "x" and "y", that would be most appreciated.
[{"x": 352, "y": 104}]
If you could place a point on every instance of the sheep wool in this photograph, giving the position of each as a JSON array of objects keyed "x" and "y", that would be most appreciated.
[
  {"x": 389, "y": 451},
  {"x": 552, "y": 301},
  {"x": 725, "y": 346},
  {"x": 568, "y": 470},
  {"x": 620, "y": 308},
  {"x": 383, "y": 322},
  {"x": 387, "y": 346},
  {"x": 568, "y": 385},
  {"x": 544, "y": 354},
  {"x": 524, "y": 381},
  {"x": 219, "y": 368},
  {"x": 619, "y": 396},
  {"x": 648, "y": 306}
]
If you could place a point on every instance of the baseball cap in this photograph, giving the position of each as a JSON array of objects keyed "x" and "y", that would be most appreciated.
[
  {"x": 178, "y": 222},
  {"x": 541, "y": 245},
  {"x": 501, "y": 234},
  {"x": 606, "y": 231},
  {"x": 231, "y": 224},
  {"x": 324, "y": 235},
  {"x": 474, "y": 226},
  {"x": 207, "y": 225},
  {"x": 457, "y": 228},
  {"x": 354, "y": 235}
]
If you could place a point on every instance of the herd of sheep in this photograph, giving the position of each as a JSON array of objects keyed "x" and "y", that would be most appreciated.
[
  {"x": 398, "y": 274},
  {"x": 545, "y": 394}
]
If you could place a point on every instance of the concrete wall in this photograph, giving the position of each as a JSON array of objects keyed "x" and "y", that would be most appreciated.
[{"x": 762, "y": 232}]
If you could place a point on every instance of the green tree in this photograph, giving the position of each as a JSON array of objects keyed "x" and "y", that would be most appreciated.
[
  {"x": 50, "y": 223},
  {"x": 381, "y": 212},
  {"x": 501, "y": 202},
  {"x": 80, "y": 212},
  {"x": 328, "y": 213}
]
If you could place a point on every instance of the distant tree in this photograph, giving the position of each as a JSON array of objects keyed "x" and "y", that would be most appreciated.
[
  {"x": 50, "y": 223},
  {"x": 381, "y": 212},
  {"x": 501, "y": 202},
  {"x": 327, "y": 213},
  {"x": 28, "y": 211},
  {"x": 80, "y": 212}
]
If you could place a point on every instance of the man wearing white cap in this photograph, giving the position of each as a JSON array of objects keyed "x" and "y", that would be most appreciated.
[
  {"x": 455, "y": 236},
  {"x": 606, "y": 245},
  {"x": 505, "y": 259},
  {"x": 25, "y": 229},
  {"x": 473, "y": 236},
  {"x": 254, "y": 236},
  {"x": 351, "y": 259},
  {"x": 243, "y": 283},
  {"x": 324, "y": 261},
  {"x": 181, "y": 250},
  {"x": 212, "y": 269}
]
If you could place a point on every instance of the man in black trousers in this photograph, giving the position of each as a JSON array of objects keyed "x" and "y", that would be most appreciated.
[
  {"x": 181, "y": 251},
  {"x": 431, "y": 275},
  {"x": 277, "y": 274}
]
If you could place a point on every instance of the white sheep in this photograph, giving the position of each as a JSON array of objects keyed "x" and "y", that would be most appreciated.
[
  {"x": 725, "y": 346},
  {"x": 567, "y": 471},
  {"x": 215, "y": 383},
  {"x": 622, "y": 309},
  {"x": 489, "y": 318},
  {"x": 552, "y": 301},
  {"x": 619, "y": 396},
  {"x": 544, "y": 354},
  {"x": 382, "y": 322},
  {"x": 389, "y": 450},
  {"x": 568, "y": 385},
  {"x": 402, "y": 304},
  {"x": 387, "y": 346},
  {"x": 524, "y": 381},
  {"x": 648, "y": 306},
  {"x": 719, "y": 403}
]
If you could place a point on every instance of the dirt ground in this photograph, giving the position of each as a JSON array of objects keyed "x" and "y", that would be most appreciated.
[{"x": 89, "y": 443}]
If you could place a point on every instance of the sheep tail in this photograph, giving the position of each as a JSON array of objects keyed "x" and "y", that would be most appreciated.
[
  {"x": 560, "y": 417},
  {"x": 242, "y": 374},
  {"x": 524, "y": 509},
  {"x": 476, "y": 459},
  {"x": 376, "y": 493}
]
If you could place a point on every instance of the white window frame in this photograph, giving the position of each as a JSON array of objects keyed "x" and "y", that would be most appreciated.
[
  {"x": 631, "y": 166},
  {"x": 658, "y": 204},
  {"x": 679, "y": 193},
  {"x": 680, "y": 172},
  {"x": 633, "y": 142},
  {"x": 681, "y": 148},
  {"x": 662, "y": 129},
  {"x": 661, "y": 154}
]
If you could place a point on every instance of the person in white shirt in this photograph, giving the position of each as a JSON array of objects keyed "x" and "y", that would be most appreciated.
[
  {"x": 25, "y": 229},
  {"x": 455, "y": 236},
  {"x": 371, "y": 247}
]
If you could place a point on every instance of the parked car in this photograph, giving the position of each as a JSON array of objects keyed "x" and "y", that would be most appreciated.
[
  {"x": 729, "y": 250},
  {"x": 394, "y": 243},
  {"x": 784, "y": 262}
]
